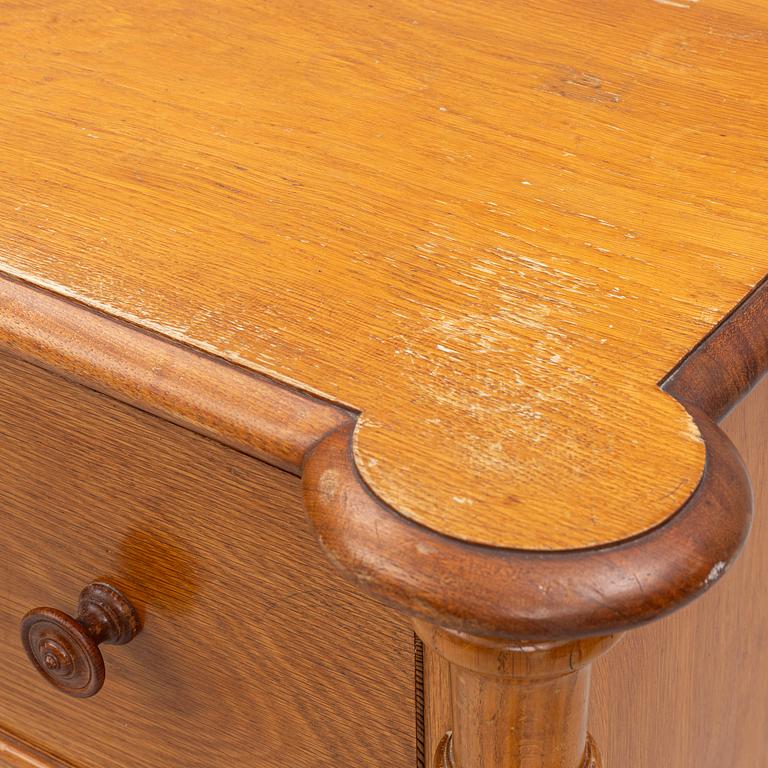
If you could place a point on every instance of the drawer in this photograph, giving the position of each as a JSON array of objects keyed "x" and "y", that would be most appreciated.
[{"x": 253, "y": 652}]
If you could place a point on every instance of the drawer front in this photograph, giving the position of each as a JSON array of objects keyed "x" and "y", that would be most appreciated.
[{"x": 253, "y": 653}]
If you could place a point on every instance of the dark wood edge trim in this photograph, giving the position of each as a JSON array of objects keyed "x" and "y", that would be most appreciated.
[
  {"x": 249, "y": 412},
  {"x": 729, "y": 362},
  {"x": 536, "y": 596},
  {"x": 15, "y": 753},
  {"x": 526, "y": 594},
  {"x": 559, "y": 595}
]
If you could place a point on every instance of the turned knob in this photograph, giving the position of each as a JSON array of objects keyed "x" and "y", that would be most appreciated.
[{"x": 66, "y": 651}]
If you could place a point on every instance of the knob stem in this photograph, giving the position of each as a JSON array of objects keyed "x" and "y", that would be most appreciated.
[{"x": 107, "y": 614}]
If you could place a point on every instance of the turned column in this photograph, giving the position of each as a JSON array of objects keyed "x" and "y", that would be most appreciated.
[
  {"x": 508, "y": 686},
  {"x": 508, "y": 704}
]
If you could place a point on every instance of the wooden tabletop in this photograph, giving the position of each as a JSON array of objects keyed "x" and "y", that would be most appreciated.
[{"x": 491, "y": 229}]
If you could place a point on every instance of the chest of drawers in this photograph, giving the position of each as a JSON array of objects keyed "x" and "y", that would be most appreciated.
[{"x": 378, "y": 380}]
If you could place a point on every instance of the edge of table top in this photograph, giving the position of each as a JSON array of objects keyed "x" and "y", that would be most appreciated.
[
  {"x": 525, "y": 594},
  {"x": 490, "y": 232}
]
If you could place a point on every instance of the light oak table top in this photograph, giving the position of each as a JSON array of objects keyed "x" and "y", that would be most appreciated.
[{"x": 491, "y": 229}]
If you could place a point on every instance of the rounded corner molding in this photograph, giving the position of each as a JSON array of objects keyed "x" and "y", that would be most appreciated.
[{"x": 523, "y": 593}]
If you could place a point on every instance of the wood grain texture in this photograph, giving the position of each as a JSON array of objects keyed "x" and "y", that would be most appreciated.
[
  {"x": 490, "y": 230},
  {"x": 692, "y": 691},
  {"x": 253, "y": 651}
]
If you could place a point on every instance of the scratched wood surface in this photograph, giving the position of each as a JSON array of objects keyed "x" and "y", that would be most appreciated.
[{"x": 490, "y": 228}]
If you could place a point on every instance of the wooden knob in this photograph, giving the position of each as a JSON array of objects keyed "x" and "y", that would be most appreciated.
[{"x": 66, "y": 651}]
